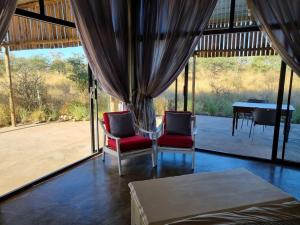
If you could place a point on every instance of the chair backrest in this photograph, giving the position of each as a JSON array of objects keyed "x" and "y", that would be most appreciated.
[
  {"x": 255, "y": 100},
  {"x": 264, "y": 116},
  {"x": 164, "y": 120},
  {"x": 106, "y": 118}
]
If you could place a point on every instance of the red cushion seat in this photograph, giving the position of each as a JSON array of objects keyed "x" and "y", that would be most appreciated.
[
  {"x": 176, "y": 141},
  {"x": 131, "y": 143}
]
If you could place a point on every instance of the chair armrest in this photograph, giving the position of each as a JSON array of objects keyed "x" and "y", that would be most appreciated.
[
  {"x": 107, "y": 133},
  {"x": 195, "y": 130},
  {"x": 159, "y": 129},
  {"x": 150, "y": 133}
]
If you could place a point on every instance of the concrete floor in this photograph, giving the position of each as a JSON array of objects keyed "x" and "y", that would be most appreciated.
[
  {"x": 214, "y": 133},
  {"x": 30, "y": 152},
  {"x": 94, "y": 194}
]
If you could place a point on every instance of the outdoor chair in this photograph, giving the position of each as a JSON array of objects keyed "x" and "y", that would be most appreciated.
[
  {"x": 249, "y": 116},
  {"x": 177, "y": 130},
  {"x": 123, "y": 139},
  {"x": 264, "y": 117}
]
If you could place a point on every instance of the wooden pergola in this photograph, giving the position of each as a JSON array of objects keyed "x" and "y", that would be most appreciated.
[{"x": 41, "y": 24}]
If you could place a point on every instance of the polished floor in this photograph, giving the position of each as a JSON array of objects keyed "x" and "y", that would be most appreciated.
[
  {"x": 93, "y": 193},
  {"x": 43, "y": 148}
]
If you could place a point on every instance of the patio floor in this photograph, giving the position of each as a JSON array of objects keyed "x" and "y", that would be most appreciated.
[
  {"x": 214, "y": 133},
  {"x": 30, "y": 152}
]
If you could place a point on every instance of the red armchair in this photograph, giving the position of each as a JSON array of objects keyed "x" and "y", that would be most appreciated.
[
  {"x": 180, "y": 139},
  {"x": 128, "y": 146}
]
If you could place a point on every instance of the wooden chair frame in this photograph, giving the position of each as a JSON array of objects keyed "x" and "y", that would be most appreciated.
[
  {"x": 130, "y": 154},
  {"x": 191, "y": 151}
]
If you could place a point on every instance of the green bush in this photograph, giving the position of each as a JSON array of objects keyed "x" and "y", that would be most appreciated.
[
  {"x": 38, "y": 116},
  {"x": 23, "y": 115},
  {"x": 160, "y": 105},
  {"x": 78, "y": 111},
  {"x": 4, "y": 116}
]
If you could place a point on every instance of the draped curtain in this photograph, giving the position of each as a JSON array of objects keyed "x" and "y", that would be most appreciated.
[
  {"x": 280, "y": 19},
  {"x": 166, "y": 34},
  {"x": 136, "y": 49},
  {"x": 7, "y": 9},
  {"x": 103, "y": 30}
]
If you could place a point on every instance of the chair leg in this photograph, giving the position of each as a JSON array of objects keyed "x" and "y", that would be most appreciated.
[
  {"x": 154, "y": 154},
  {"x": 153, "y": 159},
  {"x": 250, "y": 129},
  {"x": 104, "y": 144},
  {"x": 253, "y": 132},
  {"x": 103, "y": 156},
  {"x": 119, "y": 166},
  {"x": 193, "y": 160}
]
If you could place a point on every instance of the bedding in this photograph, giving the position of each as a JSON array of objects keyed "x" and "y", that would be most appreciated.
[{"x": 287, "y": 213}]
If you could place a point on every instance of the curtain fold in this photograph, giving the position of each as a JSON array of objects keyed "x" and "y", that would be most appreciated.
[
  {"x": 166, "y": 33},
  {"x": 136, "y": 49},
  {"x": 7, "y": 10},
  {"x": 103, "y": 30},
  {"x": 281, "y": 21}
]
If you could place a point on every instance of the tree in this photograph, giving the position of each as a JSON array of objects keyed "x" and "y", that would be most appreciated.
[
  {"x": 77, "y": 71},
  {"x": 29, "y": 86},
  {"x": 58, "y": 63}
]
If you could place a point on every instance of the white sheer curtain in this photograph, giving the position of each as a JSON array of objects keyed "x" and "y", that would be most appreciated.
[
  {"x": 136, "y": 49},
  {"x": 7, "y": 9},
  {"x": 280, "y": 19}
]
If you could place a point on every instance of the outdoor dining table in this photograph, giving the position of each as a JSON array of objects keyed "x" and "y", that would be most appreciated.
[{"x": 248, "y": 107}]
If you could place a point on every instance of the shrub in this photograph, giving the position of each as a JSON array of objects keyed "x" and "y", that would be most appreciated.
[
  {"x": 78, "y": 111},
  {"x": 23, "y": 115},
  {"x": 4, "y": 116},
  {"x": 38, "y": 116}
]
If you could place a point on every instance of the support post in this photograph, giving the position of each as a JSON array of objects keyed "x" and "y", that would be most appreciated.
[
  {"x": 185, "y": 87},
  {"x": 97, "y": 114},
  {"x": 278, "y": 110},
  {"x": 232, "y": 13},
  {"x": 91, "y": 95},
  {"x": 176, "y": 93},
  {"x": 287, "y": 117},
  {"x": 194, "y": 84},
  {"x": 11, "y": 92},
  {"x": 42, "y": 7}
]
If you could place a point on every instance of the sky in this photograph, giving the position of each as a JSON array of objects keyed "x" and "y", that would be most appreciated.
[{"x": 64, "y": 52}]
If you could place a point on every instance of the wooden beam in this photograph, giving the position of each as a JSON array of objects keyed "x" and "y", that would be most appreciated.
[
  {"x": 44, "y": 18},
  {"x": 40, "y": 42},
  {"x": 11, "y": 93}
]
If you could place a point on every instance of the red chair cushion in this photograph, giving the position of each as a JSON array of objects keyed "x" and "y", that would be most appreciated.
[
  {"x": 131, "y": 143},
  {"x": 176, "y": 141},
  {"x": 106, "y": 118}
]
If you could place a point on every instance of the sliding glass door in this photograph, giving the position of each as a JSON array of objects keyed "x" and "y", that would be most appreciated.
[{"x": 289, "y": 137}]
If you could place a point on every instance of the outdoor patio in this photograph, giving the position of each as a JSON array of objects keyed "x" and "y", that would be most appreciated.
[
  {"x": 214, "y": 133},
  {"x": 30, "y": 152}
]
